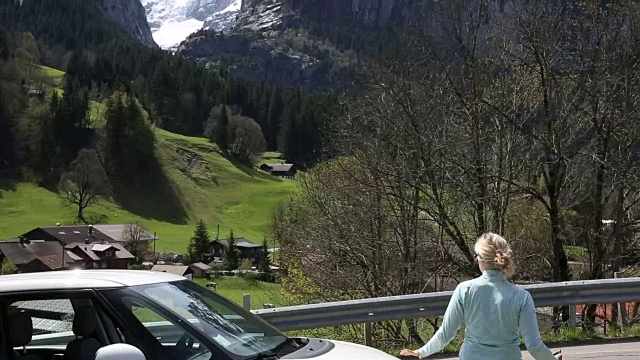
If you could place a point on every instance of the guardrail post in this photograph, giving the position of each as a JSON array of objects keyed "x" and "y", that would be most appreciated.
[
  {"x": 246, "y": 301},
  {"x": 368, "y": 336},
  {"x": 572, "y": 316},
  {"x": 620, "y": 308}
]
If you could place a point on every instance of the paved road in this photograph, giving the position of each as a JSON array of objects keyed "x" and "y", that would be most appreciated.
[{"x": 615, "y": 351}]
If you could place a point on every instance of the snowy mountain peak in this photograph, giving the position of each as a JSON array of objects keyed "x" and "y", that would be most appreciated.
[{"x": 171, "y": 21}]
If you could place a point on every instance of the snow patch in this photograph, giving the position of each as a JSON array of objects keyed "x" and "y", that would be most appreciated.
[
  {"x": 172, "y": 33},
  {"x": 235, "y": 7},
  {"x": 172, "y": 21}
]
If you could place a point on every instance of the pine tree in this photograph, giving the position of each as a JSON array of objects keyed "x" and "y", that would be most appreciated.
[
  {"x": 129, "y": 141},
  {"x": 276, "y": 106},
  {"x": 115, "y": 132},
  {"x": 265, "y": 263},
  {"x": 139, "y": 140},
  {"x": 79, "y": 68},
  {"x": 199, "y": 247},
  {"x": 231, "y": 256},
  {"x": 223, "y": 129},
  {"x": 6, "y": 136},
  {"x": 74, "y": 111},
  {"x": 4, "y": 46},
  {"x": 47, "y": 148}
]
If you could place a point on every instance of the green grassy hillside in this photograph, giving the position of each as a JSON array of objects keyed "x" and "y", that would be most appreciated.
[
  {"x": 198, "y": 183},
  {"x": 195, "y": 182}
]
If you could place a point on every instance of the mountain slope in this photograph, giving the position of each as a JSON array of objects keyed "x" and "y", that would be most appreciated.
[
  {"x": 203, "y": 184},
  {"x": 197, "y": 183},
  {"x": 74, "y": 24}
]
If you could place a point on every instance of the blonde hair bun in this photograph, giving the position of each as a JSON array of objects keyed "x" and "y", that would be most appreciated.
[
  {"x": 502, "y": 259},
  {"x": 493, "y": 249}
]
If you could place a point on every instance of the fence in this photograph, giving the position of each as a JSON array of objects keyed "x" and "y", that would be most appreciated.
[{"x": 367, "y": 311}]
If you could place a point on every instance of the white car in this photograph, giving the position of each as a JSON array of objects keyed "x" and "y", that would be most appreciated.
[{"x": 123, "y": 314}]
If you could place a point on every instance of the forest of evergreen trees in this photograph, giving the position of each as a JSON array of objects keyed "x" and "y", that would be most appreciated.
[{"x": 101, "y": 62}]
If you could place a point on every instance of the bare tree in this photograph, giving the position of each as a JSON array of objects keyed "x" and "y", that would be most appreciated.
[
  {"x": 136, "y": 241},
  {"x": 426, "y": 124},
  {"x": 343, "y": 231},
  {"x": 85, "y": 183},
  {"x": 608, "y": 56},
  {"x": 552, "y": 130}
]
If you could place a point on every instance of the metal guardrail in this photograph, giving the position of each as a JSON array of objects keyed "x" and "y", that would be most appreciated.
[{"x": 435, "y": 304}]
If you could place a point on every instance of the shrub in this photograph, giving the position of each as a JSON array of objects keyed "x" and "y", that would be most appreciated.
[{"x": 245, "y": 265}]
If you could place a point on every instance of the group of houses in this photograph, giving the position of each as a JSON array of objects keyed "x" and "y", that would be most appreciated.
[
  {"x": 104, "y": 247},
  {"x": 72, "y": 247},
  {"x": 247, "y": 250}
]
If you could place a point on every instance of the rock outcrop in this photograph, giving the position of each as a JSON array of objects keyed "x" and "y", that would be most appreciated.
[
  {"x": 129, "y": 14},
  {"x": 254, "y": 57}
]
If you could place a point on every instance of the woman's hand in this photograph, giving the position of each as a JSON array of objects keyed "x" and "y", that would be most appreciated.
[{"x": 407, "y": 352}]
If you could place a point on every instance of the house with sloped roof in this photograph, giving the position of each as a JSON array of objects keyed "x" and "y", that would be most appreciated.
[
  {"x": 67, "y": 234},
  {"x": 248, "y": 249},
  {"x": 89, "y": 247},
  {"x": 90, "y": 233},
  {"x": 121, "y": 232},
  {"x": 38, "y": 255},
  {"x": 281, "y": 170},
  {"x": 44, "y": 263},
  {"x": 199, "y": 269},
  {"x": 180, "y": 270},
  {"x": 102, "y": 255}
]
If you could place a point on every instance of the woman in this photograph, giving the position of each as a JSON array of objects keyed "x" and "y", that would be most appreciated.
[{"x": 494, "y": 311}]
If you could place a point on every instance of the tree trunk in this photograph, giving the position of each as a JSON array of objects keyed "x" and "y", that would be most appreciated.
[
  {"x": 560, "y": 266},
  {"x": 595, "y": 236},
  {"x": 414, "y": 336},
  {"x": 80, "y": 215},
  {"x": 617, "y": 250}
]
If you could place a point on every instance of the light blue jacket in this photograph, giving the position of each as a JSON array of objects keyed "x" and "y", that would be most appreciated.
[{"x": 494, "y": 312}]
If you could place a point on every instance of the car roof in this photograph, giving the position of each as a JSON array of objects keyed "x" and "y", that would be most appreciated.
[{"x": 82, "y": 279}]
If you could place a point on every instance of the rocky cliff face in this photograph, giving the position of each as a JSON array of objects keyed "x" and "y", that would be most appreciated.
[
  {"x": 131, "y": 16},
  {"x": 257, "y": 58},
  {"x": 370, "y": 13},
  {"x": 380, "y": 13},
  {"x": 270, "y": 40}
]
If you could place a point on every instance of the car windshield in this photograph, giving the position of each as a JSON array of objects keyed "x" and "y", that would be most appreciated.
[{"x": 239, "y": 333}]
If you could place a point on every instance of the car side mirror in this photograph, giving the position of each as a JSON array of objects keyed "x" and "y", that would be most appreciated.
[{"x": 119, "y": 352}]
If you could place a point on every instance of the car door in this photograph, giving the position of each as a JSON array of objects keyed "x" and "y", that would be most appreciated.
[{"x": 55, "y": 325}]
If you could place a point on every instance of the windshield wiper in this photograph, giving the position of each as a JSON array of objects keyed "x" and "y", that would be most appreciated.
[
  {"x": 285, "y": 342},
  {"x": 273, "y": 353},
  {"x": 265, "y": 355}
]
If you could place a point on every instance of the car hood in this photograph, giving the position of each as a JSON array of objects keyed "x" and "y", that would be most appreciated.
[{"x": 344, "y": 350}]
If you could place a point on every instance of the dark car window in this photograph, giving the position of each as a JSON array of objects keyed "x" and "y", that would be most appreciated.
[
  {"x": 165, "y": 311},
  {"x": 51, "y": 316}
]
